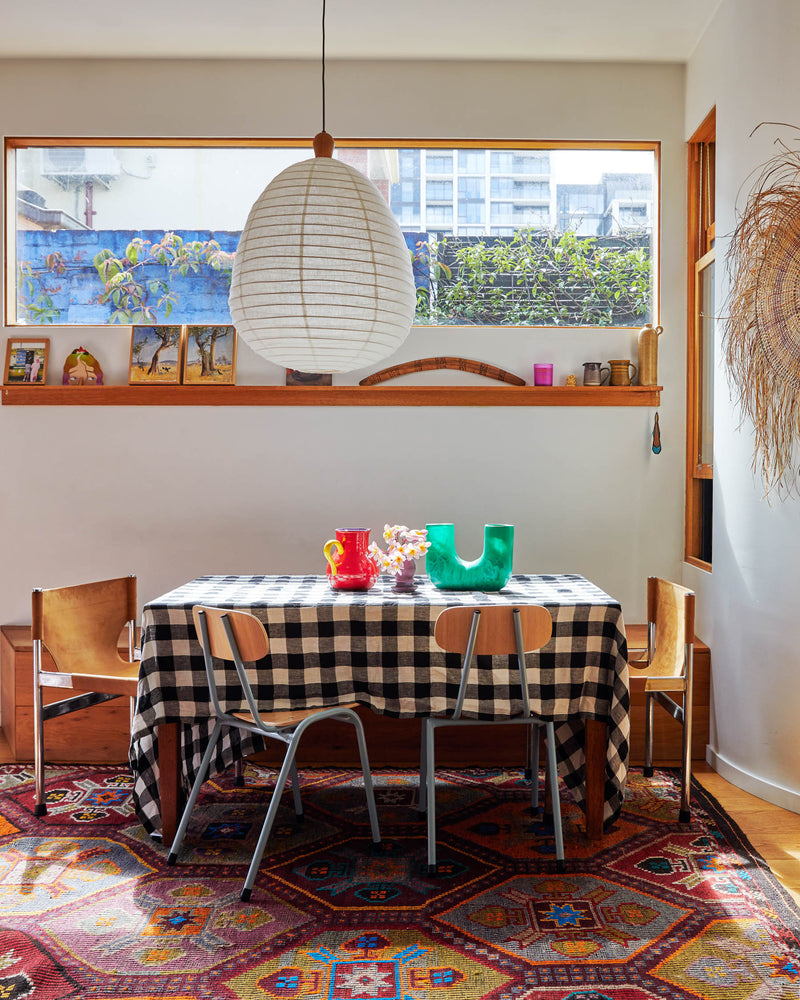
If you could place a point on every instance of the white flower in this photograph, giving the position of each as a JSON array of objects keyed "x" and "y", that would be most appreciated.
[{"x": 404, "y": 543}]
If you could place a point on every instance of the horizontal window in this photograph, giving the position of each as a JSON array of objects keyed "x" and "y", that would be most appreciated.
[{"x": 117, "y": 231}]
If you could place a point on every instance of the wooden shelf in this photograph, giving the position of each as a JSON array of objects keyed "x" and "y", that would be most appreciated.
[{"x": 345, "y": 395}]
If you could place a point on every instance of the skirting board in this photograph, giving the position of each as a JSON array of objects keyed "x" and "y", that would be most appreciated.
[{"x": 775, "y": 794}]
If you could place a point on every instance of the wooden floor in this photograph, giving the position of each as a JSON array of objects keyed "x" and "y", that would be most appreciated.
[{"x": 773, "y": 832}]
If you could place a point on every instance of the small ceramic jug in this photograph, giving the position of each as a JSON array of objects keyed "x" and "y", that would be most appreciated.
[
  {"x": 592, "y": 373},
  {"x": 621, "y": 372},
  {"x": 350, "y": 564}
]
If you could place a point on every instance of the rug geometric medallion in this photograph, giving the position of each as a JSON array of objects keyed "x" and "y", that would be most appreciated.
[{"x": 656, "y": 911}]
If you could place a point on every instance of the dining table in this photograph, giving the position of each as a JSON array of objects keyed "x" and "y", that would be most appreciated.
[{"x": 377, "y": 647}]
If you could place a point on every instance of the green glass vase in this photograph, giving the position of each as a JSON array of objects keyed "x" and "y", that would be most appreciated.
[{"x": 491, "y": 571}]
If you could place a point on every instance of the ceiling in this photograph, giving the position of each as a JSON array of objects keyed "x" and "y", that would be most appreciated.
[{"x": 638, "y": 30}]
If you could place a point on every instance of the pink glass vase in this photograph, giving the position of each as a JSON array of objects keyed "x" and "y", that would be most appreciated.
[{"x": 404, "y": 580}]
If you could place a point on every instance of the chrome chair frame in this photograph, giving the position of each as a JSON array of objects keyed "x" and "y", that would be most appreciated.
[
  {"x": 427, "y": 803},
  {"x": 289, "y": 734}
]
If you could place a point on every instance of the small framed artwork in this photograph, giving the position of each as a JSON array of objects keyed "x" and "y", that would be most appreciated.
[
  {"x": 210, "y": 355},
  {"x": 26, "y": 361},
  {"x": 155, "y": 355}
]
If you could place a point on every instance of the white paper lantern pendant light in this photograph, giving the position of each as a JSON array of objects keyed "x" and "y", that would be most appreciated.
[{"x": 322, "y": 278}]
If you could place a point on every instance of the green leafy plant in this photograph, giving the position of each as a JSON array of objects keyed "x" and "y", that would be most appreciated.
[
  {"x": 535, "y": 278},
  {"x": 34, "y": 294}
]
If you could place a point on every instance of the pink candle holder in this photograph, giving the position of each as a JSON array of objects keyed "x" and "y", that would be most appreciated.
[{"x": 542, "y": 374}]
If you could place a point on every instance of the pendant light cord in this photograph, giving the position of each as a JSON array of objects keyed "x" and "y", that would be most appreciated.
[
  {"x": 323, "y": 143},
  {"x": 323, "y": 64}
]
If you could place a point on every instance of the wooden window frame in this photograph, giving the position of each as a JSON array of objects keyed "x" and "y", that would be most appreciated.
[
  {"x": 14, "y": 143},
  {"x": 344, "y": 395},
  {"x": 700, "y": 255}
]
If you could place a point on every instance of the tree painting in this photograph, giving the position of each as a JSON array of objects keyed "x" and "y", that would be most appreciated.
[
  {"x": 155, "y": 355},
  {"x": 206, "y": 337},
  {"x": 166, "y": 336},
  {"x": 210, "y": 355}
]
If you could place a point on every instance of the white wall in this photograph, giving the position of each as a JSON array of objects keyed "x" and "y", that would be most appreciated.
[
  {"x": 169, "y": 493},
  {"x": 748, "y": 606}
]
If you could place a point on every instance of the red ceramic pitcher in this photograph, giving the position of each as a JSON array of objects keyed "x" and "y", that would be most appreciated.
[{"x": 350, "y": 565}]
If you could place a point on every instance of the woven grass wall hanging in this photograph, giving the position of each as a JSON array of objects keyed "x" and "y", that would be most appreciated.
[{"x": 762, "y": 330}]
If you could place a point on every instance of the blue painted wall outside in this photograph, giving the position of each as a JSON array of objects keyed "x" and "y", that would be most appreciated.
[{"x": 202, "y": 297}]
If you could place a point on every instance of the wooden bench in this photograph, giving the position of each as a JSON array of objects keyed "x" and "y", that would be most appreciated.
[
  {"x": 100, "y": 734},
  {"x": 395, "y": 742}
]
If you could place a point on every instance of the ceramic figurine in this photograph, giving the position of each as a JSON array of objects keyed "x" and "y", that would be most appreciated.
[{"x": 82, "y": 368}]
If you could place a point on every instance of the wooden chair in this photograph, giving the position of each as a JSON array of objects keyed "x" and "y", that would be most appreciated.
[
  {"x": 489, "y": 631},
  {"x": 80, "y": 628},
  {"x": 240, "y": 637},
  {"x": 668, "y": 667}
]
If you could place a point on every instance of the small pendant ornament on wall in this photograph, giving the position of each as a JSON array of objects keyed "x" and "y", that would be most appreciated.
[{"x": 656, "y": 436}]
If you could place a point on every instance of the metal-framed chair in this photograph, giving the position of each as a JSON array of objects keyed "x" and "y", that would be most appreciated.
[
  {"x": 239, "y": 637},
  {"x": 490, "y": 631},
  {"x": 668, "y": 665},
  {"x": 80, "y": 627}
]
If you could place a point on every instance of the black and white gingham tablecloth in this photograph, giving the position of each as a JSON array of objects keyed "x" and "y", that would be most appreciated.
[{"x": 376, "y": 647}]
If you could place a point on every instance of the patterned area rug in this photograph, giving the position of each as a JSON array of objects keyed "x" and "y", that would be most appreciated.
[{"x": 658, "y": 910}]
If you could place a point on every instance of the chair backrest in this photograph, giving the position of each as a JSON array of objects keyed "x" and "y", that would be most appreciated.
[
  {"x": 81, "y": 626},
  {"x": 235, "y": 636},
  {"x": 496, "y": 634},
  {"x": 249, "y": 633},
  {"x": 494, "y": 630},
  {"x": 670, "y": 616}
]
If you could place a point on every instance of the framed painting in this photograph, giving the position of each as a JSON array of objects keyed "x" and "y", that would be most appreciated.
[
  {"x": 26, "y": 361},
  {"x": 210, "y": 355},
  {"x": 155, "y": 355}
]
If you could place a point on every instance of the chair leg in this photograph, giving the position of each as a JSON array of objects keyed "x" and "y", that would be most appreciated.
[
  {"x": 428, "y": 730},
  {"x": 527, "y": 772},
  {"x": 180, "y": 833},
  {"x": 648, "y": 734},
  {"x": 40, "y": 808},
  {"x": 269, "y": 819},
  {"x": 298, "y": 802},
  {"x": 423, "y": 771},
  {"x": 685, "y": 814},
  {"x": 238, "y": 773},
  {"x": 533, "y": 732},
  {"x": 369, "y": 791},
  {"x": 552, "y": 772}
]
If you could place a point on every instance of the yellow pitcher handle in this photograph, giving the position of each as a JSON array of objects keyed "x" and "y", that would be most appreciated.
[{"x": 334, "y": 543}]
